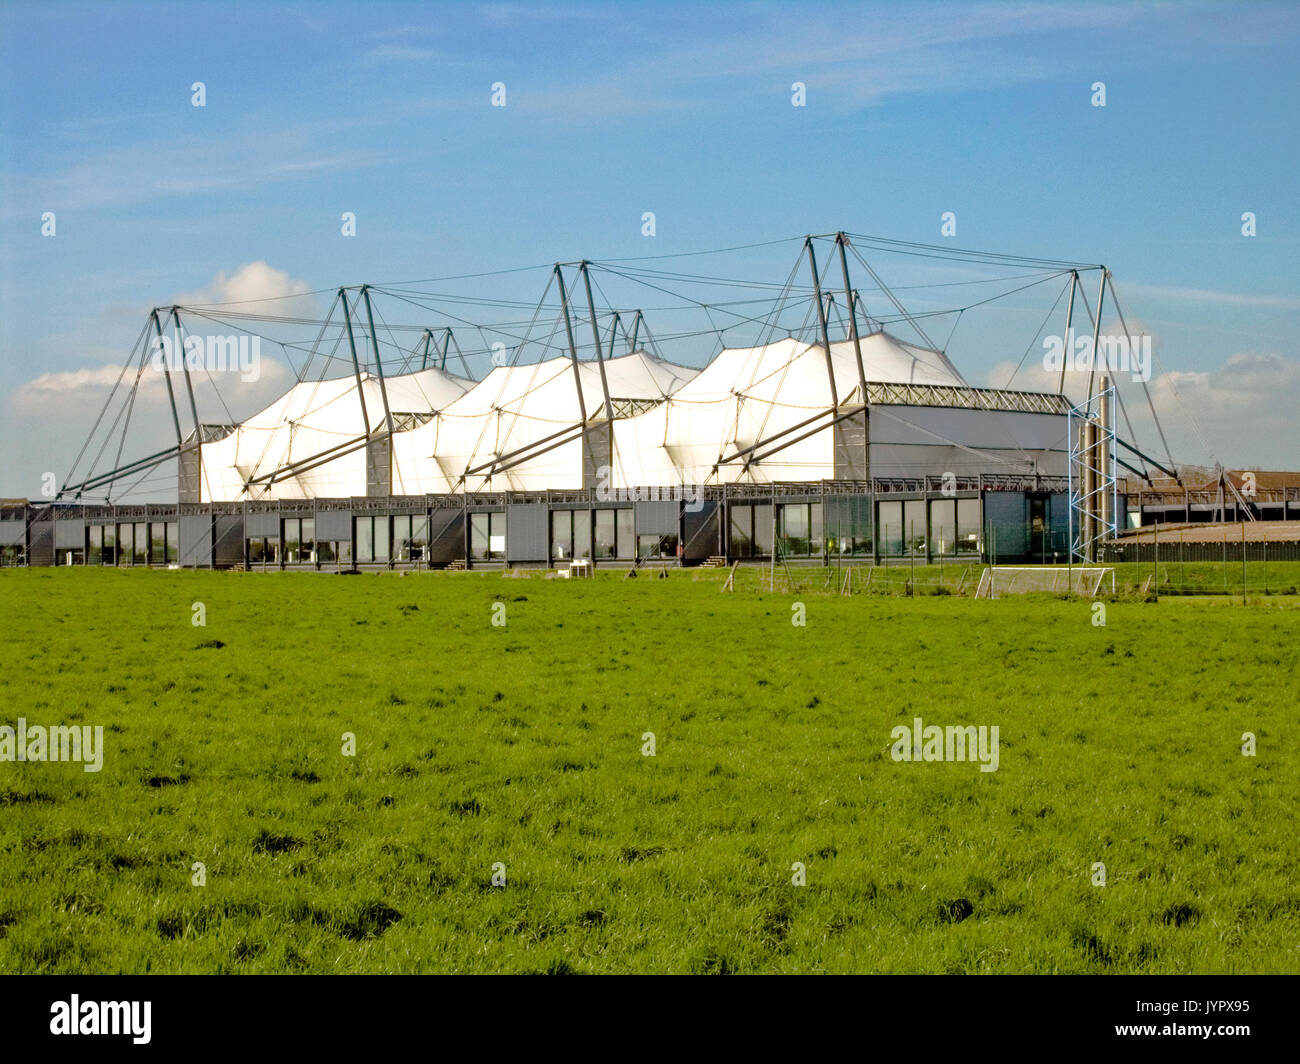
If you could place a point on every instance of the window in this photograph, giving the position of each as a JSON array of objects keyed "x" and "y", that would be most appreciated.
[
  {"x": 623, "y": 530},
  {"x": 171, "y": 530},
  {"x": 570, "y": 534},
  {"x": 914, "y": 533},
  {"x": 891, "y": 528},
  {"x": 561, "y": 535},
  {"x": 158, "y": 543},
  {"x": 299, "y": 536},
  {"x": 410, "y": 536},
  {"x": 125, "y": 542},
  {"x": 656, "y": 546},
  {"x": 606, "y": 545},
  {"x": 848, "y": 526},
  {"x": 742, "y": 530},
  {"x": 110, "y": 544},
  {"x": 140, "y": 555},
  {"x": 799, "y": 526},
  {"x": 372, "y": 539},
  {"x": 943, "y": 526},
  {"x": 968, "y": 526},
  {"x": 95, "y": 545},
  {"x": 487, "y": 535},
  {"x": 614, "y": 537},
  {"x": 751, "y": 529}
]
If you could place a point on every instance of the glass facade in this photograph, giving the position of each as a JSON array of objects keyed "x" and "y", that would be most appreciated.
[
  {"x": 410, "y": 537},
  {"x": 968, "y": 526},
  {"x": 487, "y": 536},
  {"x": 571, "y": 534},
  {"x": 943, "y": 527},
  {"x": 751, "y": 529},
  {"x": 372, "y": 538},
  {"x": 799, "y": 529},
  {"x": 299, "y": 540},
  {"x": 653, "y": 546},
  {"x": 263, "y": 551}
]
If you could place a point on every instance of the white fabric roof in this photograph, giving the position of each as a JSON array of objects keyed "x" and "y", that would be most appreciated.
[
  {"x": 310, "y": 418},
  {"x": 517, "y": 406},
  {"x": 743, "y": 396},
  {"x": 750, "y": 394}
]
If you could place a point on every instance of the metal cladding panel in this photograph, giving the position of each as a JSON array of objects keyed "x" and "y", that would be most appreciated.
[
  {"x": 527, "y": 528},
  {"x": 988, "y": 429},
  {"x": 847, "y": 516},
  {"x": 446, "y": 536},
  {"x": 189, "y": 472},
  {"x": 1008, "y": 513},
  {"x": 40, "y": 543},
  {"x": 195, "y": 534},
  {"x": 597, "y": 455},
  {"x": 700, "y": 535},
  {"x": 659, "y": 518},
  {"x": 850, "y": 438},
  {"x": 379, "y": 468},
  {"x": 70, "y": 534},
  {"x": 228, "y": 537},
  {"x": 334, "y": 525},
  {"x": 13, "y": 533},
  {"x": 262, "y": 525}
]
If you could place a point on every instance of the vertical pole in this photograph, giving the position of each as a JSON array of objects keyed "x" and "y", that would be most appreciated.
[
  {"x": 595, "y": 338},
  {"x": 1243, "y": 563},
  {"x": 772, "y": 579},
  {"x": 613, "y": 333},
  {"x": 1069, "y": 320},
  {"x": 1155, "y": 554},
  {"x": 911, "y": 551},
  {"x": 379, "y": 366},
  {"x": 573, "y": 348},
  {"x": 356, "y": 365},
  {"x": 189, "y": 385},
  {"x": 821, "y": 320},
  {"x": 171, "y": 394},
  {"x": 636, "y": 331},
  {"x": 840, "y": 240},
  {"x": 1096, "y": 334},
  {"x": 1104, "y": 490}
]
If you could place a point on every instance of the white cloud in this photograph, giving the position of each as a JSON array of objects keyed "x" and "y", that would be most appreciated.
[
  {"x": 1209, "y": 295},
  {"x": 252, "y": 282},
  {"x": 66, "y": 396},
  {"x": 1242, "y": 413}
]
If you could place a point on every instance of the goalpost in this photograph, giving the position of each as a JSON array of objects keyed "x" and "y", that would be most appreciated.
[{"x": 999, "y": 580}]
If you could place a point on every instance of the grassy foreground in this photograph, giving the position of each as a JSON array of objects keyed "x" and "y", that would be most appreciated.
[{"x": 522, "y": 746}]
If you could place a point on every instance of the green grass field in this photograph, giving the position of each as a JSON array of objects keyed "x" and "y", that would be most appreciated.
[{"x": 522, "y": 745}]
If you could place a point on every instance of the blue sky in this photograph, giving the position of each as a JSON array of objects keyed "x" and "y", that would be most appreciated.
[{"x": 684, "y": 110}]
